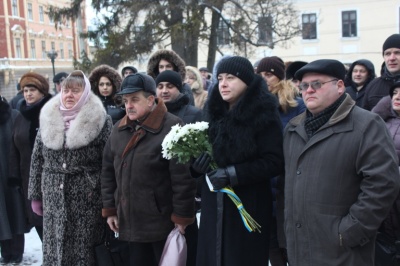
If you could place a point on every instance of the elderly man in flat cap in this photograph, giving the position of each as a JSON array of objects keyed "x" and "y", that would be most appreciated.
[{"x": 341, "y": 173}]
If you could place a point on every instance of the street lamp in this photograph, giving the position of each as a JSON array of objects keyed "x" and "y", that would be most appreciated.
[{"x": 52, "y": 55}]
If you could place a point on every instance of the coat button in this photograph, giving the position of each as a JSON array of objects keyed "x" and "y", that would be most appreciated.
[
  {"x": 298, "y": 172},
  {"x": 61, "y": 186},
  {"x": 298, "y": 225},
  {"x": 64, "y": 165}
]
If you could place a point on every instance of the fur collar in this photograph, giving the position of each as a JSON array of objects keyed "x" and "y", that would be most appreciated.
[
  {"x": 83, "y": 130},
  {"x": 384, "y": 108},
  {"x": 170, "y": 56}
]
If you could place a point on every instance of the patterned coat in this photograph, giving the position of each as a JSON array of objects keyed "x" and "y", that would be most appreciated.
[{"x": 65, "y": 175}]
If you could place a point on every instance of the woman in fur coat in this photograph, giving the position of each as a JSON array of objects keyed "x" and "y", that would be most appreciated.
[
  {"x": 106, "y": 82},
  {"x": 36, "y": 94},
  {"x": 246, "y": 136},
  {"x": 64, "y": 183}
]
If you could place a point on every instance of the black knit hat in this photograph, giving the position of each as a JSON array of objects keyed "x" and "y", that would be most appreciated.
[
  {"x": 393, "y": 41},
  {"x": 393, "y": 87},
  {"x": 138, "y": 82},
  {"x": 272, "y": 65},
  {"x": 170, "y": 76},
  {"x": 329, "y": 67},
  {"x": 239, "y": 67}
]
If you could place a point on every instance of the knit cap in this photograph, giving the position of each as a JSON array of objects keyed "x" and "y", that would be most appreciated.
[
  {"x": 393, "y": 41},
  {"x": 273, "y": 65},
  {"x": 171, "y": 77},
  {"x": 32, "y": 79},
  {"x": 239, "y": 67}
]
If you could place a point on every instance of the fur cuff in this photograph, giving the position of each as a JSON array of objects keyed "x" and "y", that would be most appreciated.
[
  {"x": 182, "y": 220},
  {"x": 106, "y": 212}
]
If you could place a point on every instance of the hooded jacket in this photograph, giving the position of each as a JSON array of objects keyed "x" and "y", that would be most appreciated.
[
  {"x": 351, "y": 87},
  {"x": 177, "y": 62},
  {"x": 111, "y": 103}
]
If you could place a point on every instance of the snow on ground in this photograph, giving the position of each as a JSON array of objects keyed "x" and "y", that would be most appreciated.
[{"x": 33, "y": 249}]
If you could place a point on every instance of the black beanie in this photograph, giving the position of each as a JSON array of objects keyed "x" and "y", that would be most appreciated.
[
  {"x": 239, "y": 67},
  {"x": 171, "y": 77},
  {"x": 273, "y": 65},
  {"x": 393, "y": 87},
  {"x": 393, "y": 41}
]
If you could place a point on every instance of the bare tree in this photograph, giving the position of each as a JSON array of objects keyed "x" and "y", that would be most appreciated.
[{"x": 126, "y": 30}]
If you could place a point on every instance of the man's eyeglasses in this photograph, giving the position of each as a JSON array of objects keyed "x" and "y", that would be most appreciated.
[{"x": 315, "y": 85}]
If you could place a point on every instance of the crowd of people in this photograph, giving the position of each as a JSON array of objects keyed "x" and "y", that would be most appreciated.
[{"x": 311, "y": 149}]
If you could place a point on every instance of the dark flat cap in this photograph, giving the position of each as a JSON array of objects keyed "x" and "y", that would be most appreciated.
[
  {"x": 327, "y": 67},
  {"x": 138, "y": 82}
]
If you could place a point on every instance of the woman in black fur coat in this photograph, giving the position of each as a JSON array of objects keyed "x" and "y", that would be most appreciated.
[{"x": 246, "y": 136}]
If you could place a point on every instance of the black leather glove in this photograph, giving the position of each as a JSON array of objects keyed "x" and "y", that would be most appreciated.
[
  {"x": 201, "y": 165},
  {"x": 222, "y": 177}
]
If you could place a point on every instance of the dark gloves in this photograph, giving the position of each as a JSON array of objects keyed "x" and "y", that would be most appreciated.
[
  {"x": 222, "y": 177},
  {"x": 14, "y": 182},
  {"x": 201, "y": 165}
]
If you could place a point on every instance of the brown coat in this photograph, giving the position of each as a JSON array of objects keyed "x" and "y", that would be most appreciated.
[{"x": 147, "y": 192}]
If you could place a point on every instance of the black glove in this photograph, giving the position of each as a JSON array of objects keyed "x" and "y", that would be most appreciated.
[
  {"x": 222, "y": 177},
  {"x": 201, "y": 165}
]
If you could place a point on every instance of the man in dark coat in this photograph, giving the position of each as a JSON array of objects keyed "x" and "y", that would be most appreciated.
[
  {"x": 379, "y": 87},
  {"x": 359, "y": 75},
  {"x": 144, "y": 195},
  {"x": 341, "y": 175},
  {"x": 246, "y": 136},
  {"x": 12, "y": 214},
  {"x": 169, "y": 60}
]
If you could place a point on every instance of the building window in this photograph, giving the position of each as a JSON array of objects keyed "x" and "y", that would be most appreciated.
[
  {"x": 30, "y": 11},
  {"x": 53, "y": 46},
  {"x": 265, "y": 30},
  {"x": 33, "y": 49},
  {"x": 61, "y": 51},
  {"x": 349, "y": 24},
  {"x": 309, "y": 26},
  {"x": 41, "y": 14},
  {"x": 14, "y": 6},
  {"x": 44, "y": 54},
  {"x": 18, "y": 50},
  {"x": 223, "y": 33},
  {"x": 70, "y": 51}
]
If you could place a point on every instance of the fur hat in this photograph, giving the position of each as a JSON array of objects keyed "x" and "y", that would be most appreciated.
[
  {"x": 393, "y": 41},
  {"x": 172, "y": 77},
  {"x": 32, "y": 79},
  {"x": 272, "y": 65},
  {"x": 329, "y": 67},
  {"x": 239, "y": 67},
  {"x": 108, "y": 72},
  {"x": 138, "y": 82}
]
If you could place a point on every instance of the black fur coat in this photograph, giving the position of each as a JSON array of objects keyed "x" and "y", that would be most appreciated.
[{"x": 248, "y": 137}]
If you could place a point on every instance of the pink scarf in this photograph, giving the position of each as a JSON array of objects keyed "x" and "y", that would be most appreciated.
[{"x": 70, "y": 114}]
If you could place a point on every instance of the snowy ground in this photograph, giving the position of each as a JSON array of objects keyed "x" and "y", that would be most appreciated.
[{"x": 33, "y": 249}]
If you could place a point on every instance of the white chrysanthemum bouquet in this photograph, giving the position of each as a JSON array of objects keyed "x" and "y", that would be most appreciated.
[{"x": 189, "y": 141}]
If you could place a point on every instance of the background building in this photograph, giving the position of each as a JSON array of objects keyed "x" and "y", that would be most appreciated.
[{"x": 28, "y": 36}]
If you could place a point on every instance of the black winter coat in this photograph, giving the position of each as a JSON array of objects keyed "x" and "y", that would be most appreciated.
[
  {"x": 182, "y": 109},
  {"x": 248, "y": 137},
  {"x": 12, "y": 213},
  {"x": 116, "y": 112},
  {"x": 377, "y": 89},
  {"x": 25, "y": 131}
]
